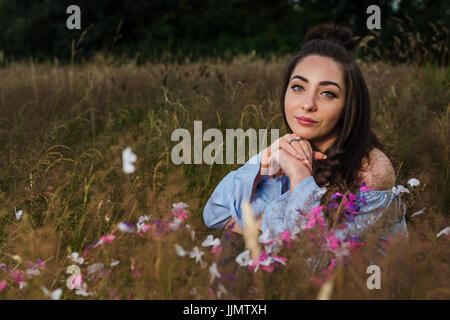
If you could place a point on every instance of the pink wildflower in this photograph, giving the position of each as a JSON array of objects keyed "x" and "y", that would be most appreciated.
[
  {"x": 217, "y": 250},
  {"x": 77, "y": 281},
  {"x": 106, "y": 239},
  {"x": 329, "y": 269},
  {"x": 2, "y": 285},
  {"x": 17, "y": 275},
  {"x": 180, "y": 214},
  {"x": 314, "y": 217},
  {"x": 286, "y": 236},
  {"x": 333, "y": 241},
  {"x": 211, "y": 292},
  {"x": 364, "y": 187}
]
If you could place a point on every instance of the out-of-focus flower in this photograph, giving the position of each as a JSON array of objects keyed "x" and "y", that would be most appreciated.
[
  {"x": 336, "y": 195},
  {"x": 143, "y": 218},
  {"x": 141, "y": 226},
  {"x": 17, "y": 275},
  {"x": 32, "y": 272},
  {"x": 413, "y": 182},
  {"x": 54, "y": 295},
  {"x": 128, "y": 157},
  {"x": 217, "y": 250},
  {"x": 210, "y": 241},
  {"x": 213, "y": 272},
  {"x": 3, "y": 285},
  {"x": 74, "y": 257},
  {"x": 175, "y": 224},
  {"x": 333, "y": 241},
  {"x": 178, "y": 210},
  {"x": 18, "y": 213},
  {"x": 243, "y": 259},
  {"x": 418, "y": 212},
  {"x": 315, "y": 217},
  {"x": 399, "y": 189},
  {"x": 82, "y": 291},
  {"x": 197, "y": 254},
  {"x": 105, "y": 239},
  {"x": 364, "y": 187},
  {"x": 126, "y": 227},
  {"x": 179, "y": 206},
  {"x": 265, "y": 260},
  {"x": 286, "y": 237},
  {"x": 114, "y": 263},
  {"x": 445, "y": 231},
  {"x": 222, "y": 290},
  {"x": 180, "y": 250}
]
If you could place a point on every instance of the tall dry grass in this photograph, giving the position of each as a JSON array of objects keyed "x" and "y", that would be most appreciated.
[{"x": 62, "y": 132}]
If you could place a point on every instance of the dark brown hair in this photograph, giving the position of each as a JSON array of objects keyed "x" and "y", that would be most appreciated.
[{"x": 355, "y": 137}]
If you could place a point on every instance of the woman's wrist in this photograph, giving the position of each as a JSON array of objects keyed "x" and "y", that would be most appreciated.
[{"x": 295, "y": 180}]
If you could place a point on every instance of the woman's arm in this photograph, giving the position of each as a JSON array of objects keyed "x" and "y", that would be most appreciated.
[{"x": 238, "y": 186}]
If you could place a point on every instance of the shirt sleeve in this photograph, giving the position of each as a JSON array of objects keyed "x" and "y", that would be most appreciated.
[
  {"x": 375, "y": 205},
  {"x": 230, "y": 193},
  {"x": 307, "y": 194}
]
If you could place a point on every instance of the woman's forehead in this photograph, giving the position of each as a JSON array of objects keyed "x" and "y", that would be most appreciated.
[{"x": 318, "y": 68}]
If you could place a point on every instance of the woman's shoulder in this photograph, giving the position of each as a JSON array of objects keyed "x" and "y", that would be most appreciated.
[{"x": 377, "y": 171}]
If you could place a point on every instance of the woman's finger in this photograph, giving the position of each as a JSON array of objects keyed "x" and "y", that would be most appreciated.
[
  {"x": 319, "y": 155},
  {"x": 286, "y": 146}
]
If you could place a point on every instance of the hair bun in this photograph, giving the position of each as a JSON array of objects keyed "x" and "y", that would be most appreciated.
[{"x": 334, "y": 33}]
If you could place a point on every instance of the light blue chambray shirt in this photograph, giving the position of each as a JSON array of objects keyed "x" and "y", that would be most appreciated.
[{"x": 272, "y": 197}]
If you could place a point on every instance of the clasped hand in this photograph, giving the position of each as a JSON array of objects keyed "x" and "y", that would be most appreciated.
[{"x": 293, "y": 159}]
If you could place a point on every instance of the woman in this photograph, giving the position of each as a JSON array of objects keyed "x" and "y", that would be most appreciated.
[{"x": 330, "y": 147}]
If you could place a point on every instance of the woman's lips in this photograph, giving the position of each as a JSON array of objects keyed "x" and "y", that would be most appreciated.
[{"x": 305, "y": 122}]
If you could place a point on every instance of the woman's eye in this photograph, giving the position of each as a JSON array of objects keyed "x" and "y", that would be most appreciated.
[
  {"x": 296, "y": 86},
  {"x": 329, "y": 94}
]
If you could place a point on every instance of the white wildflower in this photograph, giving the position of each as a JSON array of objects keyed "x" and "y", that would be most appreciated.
[
  {"x": 243, "y": 259},
  {"x": 418, "y": 212},
  {"x": 210, "y": 241},
  {"x": 197, "y": 254},
  {"x": 128, "y": 157},
  {"x": 446, "y": 231},
  {"x": 18, "y": 213},
  {"x": 214, "y": 272},
  {"x": 175, "y": 224},
  {"x": 179, "y": 205},
  {"x": 399, "y": 189},
  {"x": 413, "y": 182},
  {"x": 75, "y": 258},
  {"x": 55, "y": 295},
  {"x": 221, "y": 290},
  {"x": 125, "y": 227},
  {"x": 180, "y": 250},
  {"x": 114, "y": 263}
]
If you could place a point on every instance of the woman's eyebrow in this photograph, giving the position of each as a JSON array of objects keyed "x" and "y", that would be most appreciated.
[{"x": 322, "y": 83}]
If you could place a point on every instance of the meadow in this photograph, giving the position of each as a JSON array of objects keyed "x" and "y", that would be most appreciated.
[{"x": 88, "y": 230}]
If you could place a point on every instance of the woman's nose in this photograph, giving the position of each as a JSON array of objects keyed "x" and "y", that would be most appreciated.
[{"x": 308, "y": 102}]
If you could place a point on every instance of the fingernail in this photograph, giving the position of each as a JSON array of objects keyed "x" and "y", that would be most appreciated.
[{"x": 325, "y": 156}]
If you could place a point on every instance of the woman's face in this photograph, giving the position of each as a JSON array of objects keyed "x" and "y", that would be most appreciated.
[{"x": 316, "y": 90}]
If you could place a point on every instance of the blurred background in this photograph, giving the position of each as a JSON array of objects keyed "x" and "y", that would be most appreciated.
[
  {"x": 72, "y": 100},
  {"x": 181, "y": 30}
]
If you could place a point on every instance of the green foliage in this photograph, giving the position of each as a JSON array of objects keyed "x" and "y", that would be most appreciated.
[{"x": 181, "y": 31}]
